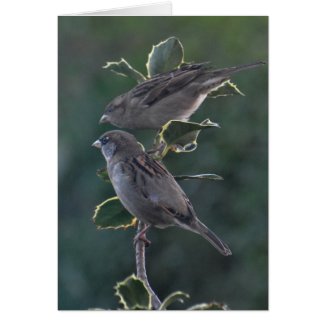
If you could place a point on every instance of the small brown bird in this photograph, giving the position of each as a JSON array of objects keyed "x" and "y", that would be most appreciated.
[
  {"x": 174, "y": 95},
  {"x": 147, "y": 190}
]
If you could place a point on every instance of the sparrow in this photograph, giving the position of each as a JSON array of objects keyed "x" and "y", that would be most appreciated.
[
  {"x": 147, "y": 190},
  {"x": 173, "y": 95}
]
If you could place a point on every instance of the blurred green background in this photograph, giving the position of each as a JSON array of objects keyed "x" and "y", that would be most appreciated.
[{"x": 92, "y": 261}]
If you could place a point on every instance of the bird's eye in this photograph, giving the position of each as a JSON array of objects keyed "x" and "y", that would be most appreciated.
[
  {"x": 104, "y": 140},
  {"x": 111, "y": 109}
]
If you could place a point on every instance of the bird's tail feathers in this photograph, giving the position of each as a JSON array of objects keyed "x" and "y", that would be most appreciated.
[
  {"x": 232, "y": 70},
  {"x": 211, "y": 237}
]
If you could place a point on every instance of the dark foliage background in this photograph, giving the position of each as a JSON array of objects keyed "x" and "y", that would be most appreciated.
[{"x": 92, "y": 261}]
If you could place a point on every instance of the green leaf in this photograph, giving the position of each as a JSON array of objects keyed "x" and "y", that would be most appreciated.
[
  {"x": 102, "y": 173},
  {"x": 178, "y": 136},
  {"x": 111, "y": 214},
  {"x": 212, "y": 177},
  {"x": 173, "y": 297},
  {"x": 227, "y": 88},
  {"x": 124, "y": 69},
  {"x": 209, "y": 306},
  {"x": 165, "y": 56},
  {"x": 133, "y": 293}
]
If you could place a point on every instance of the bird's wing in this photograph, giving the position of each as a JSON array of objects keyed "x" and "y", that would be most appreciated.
[
  {"x": 159, "y": 187},
  {"x": 165, "y": 84}
]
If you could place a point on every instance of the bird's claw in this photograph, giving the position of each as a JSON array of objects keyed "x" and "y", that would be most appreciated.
[{"x": 143, "y": 238}]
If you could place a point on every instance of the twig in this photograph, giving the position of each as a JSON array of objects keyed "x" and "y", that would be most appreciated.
[{"x": 141, "y": 267}]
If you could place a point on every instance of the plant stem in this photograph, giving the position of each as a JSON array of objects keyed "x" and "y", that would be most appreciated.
[{"x": 141, "y": 267}]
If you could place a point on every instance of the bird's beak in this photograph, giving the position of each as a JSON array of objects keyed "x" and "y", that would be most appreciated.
[
  {"x": 104, "y": 119},
  {"x": 97, "y": 144}
]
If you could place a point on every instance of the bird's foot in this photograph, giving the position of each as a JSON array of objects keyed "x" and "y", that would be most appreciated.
[{"x": 142, "y": 236}]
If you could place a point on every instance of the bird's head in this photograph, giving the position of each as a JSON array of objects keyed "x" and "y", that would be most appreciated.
[
  {"x": 119, "y": 144},
  {"x": 114, "y": 111}
]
